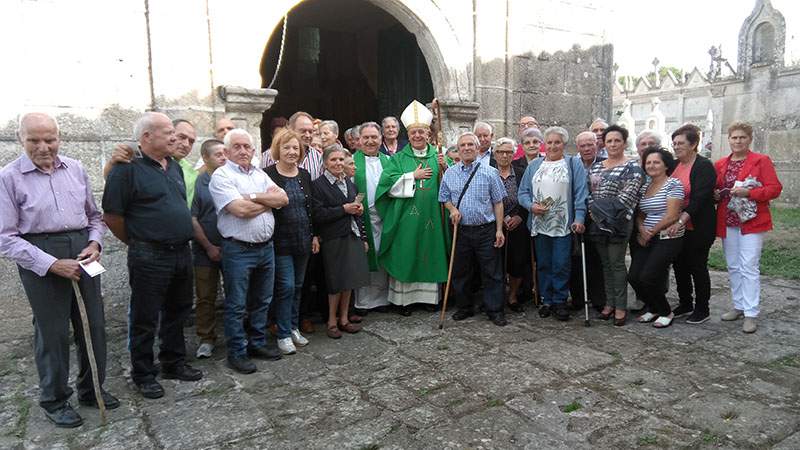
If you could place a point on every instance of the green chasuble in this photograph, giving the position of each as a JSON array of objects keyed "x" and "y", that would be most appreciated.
[
  {"x": 361, "y": 183},
  {"x": 413, "y": 247}
]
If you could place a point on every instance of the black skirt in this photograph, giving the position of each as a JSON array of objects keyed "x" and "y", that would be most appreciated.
[{"x": 345, "y": 264}]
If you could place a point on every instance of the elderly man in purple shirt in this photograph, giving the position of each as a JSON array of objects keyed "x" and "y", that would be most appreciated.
[{"x": 48, "y": 224}]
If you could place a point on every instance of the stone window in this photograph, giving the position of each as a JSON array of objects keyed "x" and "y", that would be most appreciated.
[{"x": 764, "y": 44}]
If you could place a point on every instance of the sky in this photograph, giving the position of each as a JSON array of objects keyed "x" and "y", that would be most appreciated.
[{"x": 680, "y": 32}]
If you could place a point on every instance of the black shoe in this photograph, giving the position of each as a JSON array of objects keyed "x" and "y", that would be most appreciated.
[
  {"x": 462, "y": 314},
  {"x": 682, "y": 310},
  {"x": 562, "y": 312},
  {"x": 241, "y": 365},
  {"x": 266, "y": 352},
  {"x": 109, "y": 401},
  {"x": 183, "y": 373},
  {"x": 545, "y": 311},
  {"x": 381, "y": 309},
  {"x": 405, "y": 311},
  {"x": 431, "y": 308},
  {"x": 498, "y": 319},
  {"x": 150, "y": 389},
  {"x": 698, "y": 317},
  {"x": 360, "y": 312},
  {"x": 516, "y": 307},
  {"x": 64, "y": 416}
]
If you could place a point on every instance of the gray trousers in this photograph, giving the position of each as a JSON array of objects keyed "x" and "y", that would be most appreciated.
[{"x": 54, "y": 307}]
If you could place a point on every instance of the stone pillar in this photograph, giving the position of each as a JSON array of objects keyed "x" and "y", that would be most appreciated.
[
  {"x": 458, "y": 117},
  {"x": 246, "y": 106}
]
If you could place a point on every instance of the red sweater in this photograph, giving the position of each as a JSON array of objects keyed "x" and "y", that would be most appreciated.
[{"x": 759, "y": 166}]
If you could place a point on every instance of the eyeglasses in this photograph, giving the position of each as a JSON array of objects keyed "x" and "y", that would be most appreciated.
[{"x": 529, "y": 124}]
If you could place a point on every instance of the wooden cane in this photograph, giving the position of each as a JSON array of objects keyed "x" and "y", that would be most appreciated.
[
  {"x": 449, "y": 277},
  {"x": 534, "y": 281},
  {"x": 87, "y": 337}
]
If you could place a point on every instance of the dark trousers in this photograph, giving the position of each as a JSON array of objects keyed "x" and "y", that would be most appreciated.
[
  {"x": 475, "y": 248},
  {"x": 595, "y": 286},
  {"x": 647, "y": 273},
  {"x": 692, "y": 265},
  {"x": 161, "y": 285},
  {"x": 54, "y": 306},
  {"x": 314, "y": 299}
]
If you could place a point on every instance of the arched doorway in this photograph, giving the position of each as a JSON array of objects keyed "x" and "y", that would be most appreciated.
[{"x": 348, "y": 60}]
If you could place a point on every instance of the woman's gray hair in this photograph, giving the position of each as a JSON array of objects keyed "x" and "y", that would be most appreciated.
[
  {"x": 333, "y": 148},
  {"x": 504, "y": 141},
  {"x": 532, "y": 132},
  {"x": 646, "y": 134},
  {"x": 471, "y": 135},
  {"x": 559, "y": 131},
  {"x": 369, "y": 125},
  {"x": 330, "y": 124}
]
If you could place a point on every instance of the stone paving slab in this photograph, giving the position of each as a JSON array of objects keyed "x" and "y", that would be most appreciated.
[{"x": 404, "y": 384}]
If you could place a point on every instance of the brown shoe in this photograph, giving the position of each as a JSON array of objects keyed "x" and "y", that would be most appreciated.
[
  {"x": 350, "y": 328},
  {"x": 306, "y": 326},
  {"x": 355, "y": 318},
  {"x": 334, "y": 333}
]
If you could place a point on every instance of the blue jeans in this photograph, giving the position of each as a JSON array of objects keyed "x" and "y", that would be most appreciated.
[
  {"x": 249, "y": 274},
  {"x": 552, "y": 267},
  {"x": 290, "y": 271}
]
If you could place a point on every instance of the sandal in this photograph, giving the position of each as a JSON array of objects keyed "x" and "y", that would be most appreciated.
[
  {"x": 350, "y": 327},
  {"x": 662, "y": 322},
  {"x": 620, "y": 321},
  {"x": 647, "y": 317},
  {"x": 333, "y": 332},
  {"x": 606, "y": 315},
  {"x": 355, "y": 318}
]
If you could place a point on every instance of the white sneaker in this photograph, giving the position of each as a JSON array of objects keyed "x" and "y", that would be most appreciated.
[
  {"x": 205, "y": 350},
  {"x": 287, "y": 346},
  {"x": 298, "y": 338}
]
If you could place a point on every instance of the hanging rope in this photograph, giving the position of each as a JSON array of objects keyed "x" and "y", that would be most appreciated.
[{"x": 280, "y": 53}]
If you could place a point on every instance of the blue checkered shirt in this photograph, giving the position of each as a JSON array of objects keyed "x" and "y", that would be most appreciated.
[{"x": 485, "y": 189}]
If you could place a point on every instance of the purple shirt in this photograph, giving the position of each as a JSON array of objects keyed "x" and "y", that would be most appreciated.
[{"x": 32, "y": 201}]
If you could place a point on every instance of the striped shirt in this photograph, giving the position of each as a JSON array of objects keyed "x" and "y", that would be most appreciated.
[
  {"x": 230, "y": 182},
  {"x": 312, "y": 162},
  {"x": 32, "y": 201},
  {"x": 485, "y": 189},
  {"x": 655, "y": 206}
]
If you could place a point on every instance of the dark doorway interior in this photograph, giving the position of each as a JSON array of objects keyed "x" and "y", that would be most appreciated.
[{"x": 347, "y": 60}]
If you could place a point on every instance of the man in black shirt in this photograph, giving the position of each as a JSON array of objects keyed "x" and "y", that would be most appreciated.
[
  {"x": 145, "y": 207},
  {"x": 207, "y": 250}
]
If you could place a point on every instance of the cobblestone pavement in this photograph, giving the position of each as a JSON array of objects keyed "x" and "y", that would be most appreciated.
[{"x": 401, "y": 383}]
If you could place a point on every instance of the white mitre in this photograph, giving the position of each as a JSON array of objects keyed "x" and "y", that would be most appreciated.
[{"x": 416, "y": 115}]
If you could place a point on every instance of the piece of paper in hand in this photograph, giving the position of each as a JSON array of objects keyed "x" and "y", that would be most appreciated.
[{"x": 92, "y": 269}]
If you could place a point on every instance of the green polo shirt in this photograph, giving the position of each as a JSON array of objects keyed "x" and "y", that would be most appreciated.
[{"x": 189, "y": 179}]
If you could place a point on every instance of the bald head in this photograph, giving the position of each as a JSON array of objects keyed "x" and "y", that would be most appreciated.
[
  {"x": 155, "y": 134},
  {"x": 222, "y": 127},
  {"x": 38, "y": 133}
]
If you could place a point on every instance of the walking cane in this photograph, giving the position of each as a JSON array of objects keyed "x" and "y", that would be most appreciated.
[
  {"x": 87, "y": 337},
  {"x": 449, "y": 277},
  {"x": 534, "y": 281},
  {"x": 585, "y": 290}
]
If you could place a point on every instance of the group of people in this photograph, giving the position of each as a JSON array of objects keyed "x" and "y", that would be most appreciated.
[{"x": 380, "y": 220}]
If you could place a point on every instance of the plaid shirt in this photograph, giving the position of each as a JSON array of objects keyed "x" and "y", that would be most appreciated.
[{"x": 485, "y": 189}]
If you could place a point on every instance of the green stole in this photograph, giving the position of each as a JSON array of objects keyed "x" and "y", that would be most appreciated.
[
  {"x": 361, "y": 183},
  {"x": 413, "y": 243}
]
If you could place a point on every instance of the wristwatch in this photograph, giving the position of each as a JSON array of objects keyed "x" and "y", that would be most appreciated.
[
  {"x": 681, "y": 222},
  {"x": 252, "y": 196}
]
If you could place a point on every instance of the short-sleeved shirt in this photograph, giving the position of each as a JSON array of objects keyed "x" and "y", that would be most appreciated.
[
  {"x": 231, "y": 182},
  {"x": 203, "y": 210},
  {"x": 485, "y": 189},
  {"x": 655, "y": 206},
  {"x": 151, "y": 199}
]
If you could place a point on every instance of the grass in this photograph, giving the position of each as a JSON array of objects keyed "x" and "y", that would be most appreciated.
[
  {"x": 711, "y": 438},
  {"x": 495, "y": 403},
  {"x": 729, "y": 415},
  {"x": 780, "y": 256},
  {"x": 648, "y": 440},
  {"x": 787, "y": 361},
  {"x": 571, "y": 407}
]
